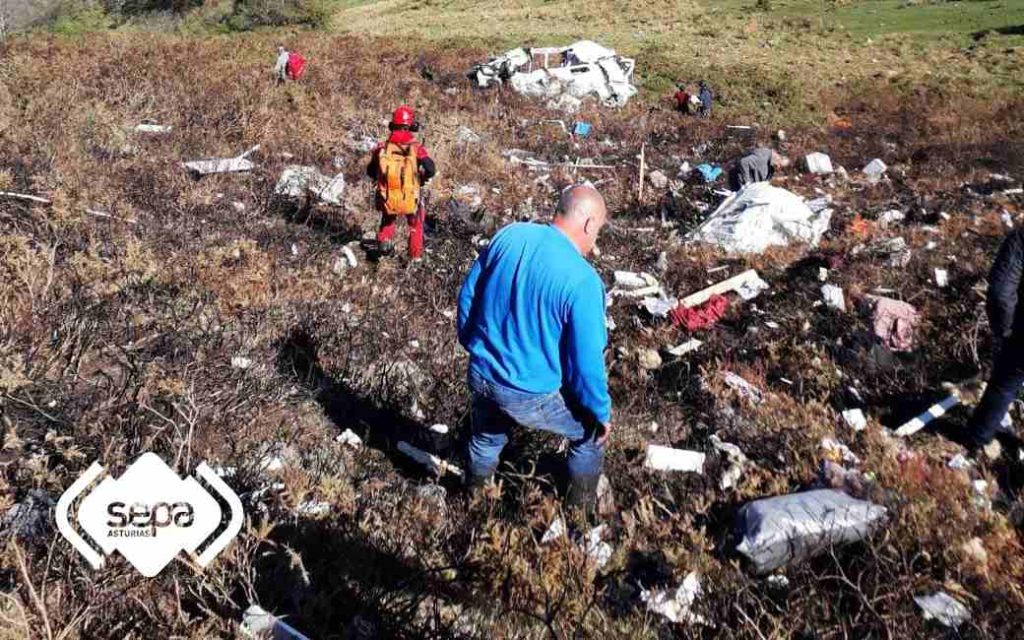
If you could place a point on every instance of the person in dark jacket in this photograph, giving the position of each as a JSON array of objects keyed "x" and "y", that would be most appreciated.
[
  {"x": 706, "y": 98},
  {"x": 757, "y": 166},
  {"x": 1006, "y": 319}
]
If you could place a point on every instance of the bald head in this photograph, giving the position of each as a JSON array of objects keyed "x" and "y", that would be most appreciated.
[{"x": 581, "y": 215}]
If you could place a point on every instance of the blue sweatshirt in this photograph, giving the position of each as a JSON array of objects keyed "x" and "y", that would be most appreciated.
[{"x": 531, "y": 316}]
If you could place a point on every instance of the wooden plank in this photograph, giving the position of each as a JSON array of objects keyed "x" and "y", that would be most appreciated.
[
  {"x": 640, "y": 193},
  {"x": 724, "y": 286}
]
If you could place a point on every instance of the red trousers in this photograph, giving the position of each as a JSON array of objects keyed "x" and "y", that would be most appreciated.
[{"x": 387, "y": 230}]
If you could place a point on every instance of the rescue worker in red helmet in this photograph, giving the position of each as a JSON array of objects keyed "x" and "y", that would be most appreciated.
[{"x": 401, "y": 166}]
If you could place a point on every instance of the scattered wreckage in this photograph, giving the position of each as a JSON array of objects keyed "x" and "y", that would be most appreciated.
[{"x": 580, "y": 70}]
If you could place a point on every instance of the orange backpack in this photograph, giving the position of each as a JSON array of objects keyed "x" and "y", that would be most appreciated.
[{"x": 398, "y": 179}]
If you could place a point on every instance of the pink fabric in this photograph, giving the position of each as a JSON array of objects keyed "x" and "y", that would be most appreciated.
[{"x": 894, "y": 322}]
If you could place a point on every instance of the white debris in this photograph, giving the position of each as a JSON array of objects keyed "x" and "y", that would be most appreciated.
[
  {"x": 676, "y": 604},
  {"x": 465, "y": 135},
  {"x": 649, "y": 359},
  {"x": 566, "y": 103},
  {"x": 29, "y": 519},
  {"x": 597, "y": 549},
  {"x": 659, "y": 306},
  {"x": 658, "y": 179},
  {"x": 822, "y": 274},
  {"x": 895, "y": 249},
  {"x": 663, "y": 458},
  {"x": 833, "y": 296},
  {"x": 362, "y": 144},
  {"x": 960, "y": 462},
  {"x": 631, "y": 280},
  {"x": 296, "y": 181},
  {"x": 441, "y": 429},
  {"x": 982, "y": 499},
  {"x": 839, "y": 450},
  {"x": 888, "y": 217},
  {"x": 751, "y": 288},
  {"x": 348, "y": 437},
  {"x": 350, "y": 256},
  {"x": 737, "y": 461},
  {"x": 605, "y": 497},
  {"x": 241, "y": 362},
  {"x": 689, "y": 346},
  {"x": 271, "y": 463},
  {"x": 587, "y": 69},
  {"x": 554, "y": 531},
  {"x": 434, "y": 494},
  {"x": 975, "y": 550},
  {"x": 941, "y": 278},
  {"x": 875, "y": 170},
  {"x": 238, "y": 206},
  {"x": 778, "y": 581},
  {"x": 153, "y": 128},
  {"x": 745, "y": 389},
  {"x": 1007, "y": 219},
  {"x": 636, "y": 285},
  {"x": 257, "y": 623},
  {"x": 436, "y": 465},
  {"x": 759, "y": 216},
  {"x": 818, "y": 163},
  {"x": 499, "y": 69},
  {"x": 855, "y": 419},
  {"x": 222, "y": 165},
  {"x": 944, "y": 609},
  {"x": 314, "y": 508}
]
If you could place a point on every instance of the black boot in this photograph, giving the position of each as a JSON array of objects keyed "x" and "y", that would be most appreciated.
[{"x": 583, "y": 493}]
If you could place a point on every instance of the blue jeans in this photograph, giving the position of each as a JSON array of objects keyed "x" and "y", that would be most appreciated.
[
  {"x": 496, "y": 408},
  {"x": 1002, "y": 389}
]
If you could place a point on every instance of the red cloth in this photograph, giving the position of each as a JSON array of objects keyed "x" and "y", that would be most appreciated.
[
  {"x": 682, "y": 100},
  {"x": 416, "y": 223},
  {"x": 700, "y": 317}
]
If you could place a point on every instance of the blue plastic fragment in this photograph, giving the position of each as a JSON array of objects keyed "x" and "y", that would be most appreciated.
[
  {"x": 708, "y": 172},
  {"x": 582, "y": 129}
]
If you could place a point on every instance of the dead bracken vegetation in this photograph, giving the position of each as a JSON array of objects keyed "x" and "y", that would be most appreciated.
[{"x": 145, "y": 310}]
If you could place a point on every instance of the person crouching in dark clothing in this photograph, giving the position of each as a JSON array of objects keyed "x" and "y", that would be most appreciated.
[{"x": 757, "y": 166}]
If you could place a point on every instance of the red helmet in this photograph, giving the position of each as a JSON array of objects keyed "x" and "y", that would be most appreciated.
[{"x": 403, "y": 116}]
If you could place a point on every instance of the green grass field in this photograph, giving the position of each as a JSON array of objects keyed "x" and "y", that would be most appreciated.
[
  {"x": 773, "y": 60},
  {"x": 940, "y": 21}
]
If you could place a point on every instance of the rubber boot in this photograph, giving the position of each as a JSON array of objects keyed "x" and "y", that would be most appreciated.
[{"x": 582, "y": 496}]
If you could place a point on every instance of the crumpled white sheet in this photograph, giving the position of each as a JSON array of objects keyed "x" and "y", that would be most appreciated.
[{"x": 759, "y": 216}]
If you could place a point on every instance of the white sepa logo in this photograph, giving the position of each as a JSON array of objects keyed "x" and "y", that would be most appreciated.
[{"x": 149, "y": 514}]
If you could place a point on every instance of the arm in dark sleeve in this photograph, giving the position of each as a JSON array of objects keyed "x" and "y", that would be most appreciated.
[
  {"x": 1004, "y": 283},
  {"x": 427, "y": 169},
  {"x": 586, "y": 338},
  {"x": 371, "y": 169},
  {"x": 466, "y": 296}
]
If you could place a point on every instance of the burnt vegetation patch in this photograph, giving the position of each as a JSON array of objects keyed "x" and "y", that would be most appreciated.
[{"x": 211, "y": 320}]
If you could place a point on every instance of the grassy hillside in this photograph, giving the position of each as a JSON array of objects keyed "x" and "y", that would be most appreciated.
[
  {"x": 771, "y": 63},
  {"x": 128, "y": 301}
]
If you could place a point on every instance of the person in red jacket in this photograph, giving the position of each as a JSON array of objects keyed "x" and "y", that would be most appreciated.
[{"x": 401, "y": 165}]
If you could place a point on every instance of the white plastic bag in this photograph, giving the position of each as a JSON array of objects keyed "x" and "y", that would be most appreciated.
[{"x": 794, "y": 527}]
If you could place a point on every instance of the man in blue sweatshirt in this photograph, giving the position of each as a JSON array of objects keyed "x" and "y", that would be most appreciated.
[{"x": 531, "y": 316}]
